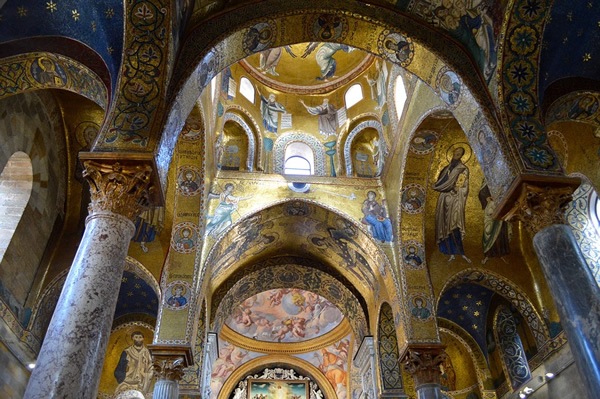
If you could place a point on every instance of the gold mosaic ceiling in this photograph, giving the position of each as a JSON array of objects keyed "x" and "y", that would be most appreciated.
[{"x": 307, "y": 66}]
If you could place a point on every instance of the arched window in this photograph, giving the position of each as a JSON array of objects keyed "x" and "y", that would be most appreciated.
[
  {"x": 247, "y": 89},
  {"x": 353, "y": 95},
  {"x": 16, "y": 182},
  {"x": 399, "y": 95},
  {"x": 299, "y": 159}
]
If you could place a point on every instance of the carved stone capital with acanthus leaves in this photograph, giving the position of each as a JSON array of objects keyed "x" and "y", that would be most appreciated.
[
  {"x": 538, "y": 207},
  {"x": 117, "y": 188},
  {"x": 423, "y": 363},
  {"x": 170, "y": 361}
]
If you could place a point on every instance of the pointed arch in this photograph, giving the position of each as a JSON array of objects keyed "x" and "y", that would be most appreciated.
[
  {"x": 250, "y": 134},
  {"x": 374, "y": 124},
  {"x": 508, "y": 290},
  {"x": 289, "y": 137}
]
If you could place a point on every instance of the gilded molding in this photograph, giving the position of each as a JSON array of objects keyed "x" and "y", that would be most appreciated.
[
  {"x": 423, "y": 363},
  {"x": 118, "y": 188},
  {"x": 539, "y": 207}
]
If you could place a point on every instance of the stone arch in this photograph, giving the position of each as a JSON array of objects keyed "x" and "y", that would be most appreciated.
[
  {"x": 199, "y": 67},
  {"x": 352, "y": 135},
  {"x": 578, "y": 217},
  {"x": 32, "y": 123},
  {"x": 294, "y": 209},
  {"x": 524, "y": 128},
  {"x": 508, "y": 290},
  {"x": 289, "y": 137},
  {"x": 358, "y": 265},
  {"x": 479, "y": 359},
  {"x": 44, "y": 308},
  {"x": 16, "y": 180},
  {"x": 514, "y": 361},
  {"x": 234, "y": 117},
  {"x": 69, "y": 75}
]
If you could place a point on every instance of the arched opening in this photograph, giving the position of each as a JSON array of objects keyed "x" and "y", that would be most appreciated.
[
  {"x": 399, "y": 95},
  {"x": 353, "y": 95},
  {"x": 16, "y": 182},
  {"x": 247, "y": 89},
  {"x": 299, "y": 159}
]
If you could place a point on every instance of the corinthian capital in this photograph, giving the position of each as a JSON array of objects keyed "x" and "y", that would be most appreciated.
[
  {"x": 124, "y": 190},
  {"x": 423, "y": 363},
  {"x": 538, "y": 207},
  {"x": 169, "y": 361}
]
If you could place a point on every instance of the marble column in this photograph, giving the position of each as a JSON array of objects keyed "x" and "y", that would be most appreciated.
[
  {"x": 423, "y": 363},
  {"x": 70, "y": 361},
  {"x": 569, "y": 278},
  {"x": 169, "y": 364}
]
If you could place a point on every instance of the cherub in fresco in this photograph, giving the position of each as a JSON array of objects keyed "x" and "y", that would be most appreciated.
[
  {"x": 299, "y": 327},
  {"x": 263, "y": 328},
  {"x": 285, "y": 328},
  {"x": 276, "y": 296},
  {"x": 246, "y": 318}
]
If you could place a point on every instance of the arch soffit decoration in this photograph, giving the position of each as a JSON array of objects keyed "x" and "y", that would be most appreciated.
[
  {"x": 220, "y": 291},
  {"x": 136, "y": 267},
  {"x": 352, "y": 135},
  {"x": 534, "y": 151},
  {"x": 279, "y": 361},
  {"x": 198, "y": 67},
  {"x": 509, "y": 291},
  {"x": 233, "y": 116},
  {"x": 462, "y": 336},
  {"x": 238, "y": 114},
  {"x": 296, "y": 210},
  {"x": 26, "y": 72},
  {"x": 291, "y": 275},
  {"x": 289, "y": 137},
  {"x": 49, "y": 296}
]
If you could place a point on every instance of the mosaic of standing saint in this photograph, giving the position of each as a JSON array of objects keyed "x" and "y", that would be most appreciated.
[
  {"x": 453, "y": 185},
  {"x": 285, "y": 315}
]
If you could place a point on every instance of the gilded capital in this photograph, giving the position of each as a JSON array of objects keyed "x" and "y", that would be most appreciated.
[
  {"x": 169, "y": 368},
  {"x": 117, "y": 188},
  {"x": 423, "y": 363},
  {"x": 538, "y": 207},
  {"x": 170, "y": 361}
]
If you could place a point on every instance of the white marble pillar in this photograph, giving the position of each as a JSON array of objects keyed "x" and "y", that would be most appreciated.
[
  {"x": 71, "y": 357},
  {"x": 166, "y": 389},
  {"x": 70, "y": 361}
]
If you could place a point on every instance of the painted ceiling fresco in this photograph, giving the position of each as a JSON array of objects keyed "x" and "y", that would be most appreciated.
[
  {"x": 570, "y": 47},
  {"x": 97, "y": 25},
  {"x": 307, "y": 65},
  {"x": 285, "y": 315}
]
